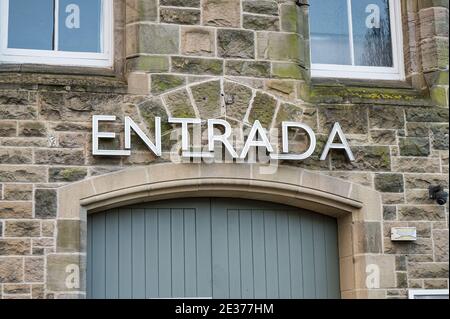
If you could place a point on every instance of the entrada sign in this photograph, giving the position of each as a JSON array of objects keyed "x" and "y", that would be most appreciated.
[{"x": 257, "y": 137}]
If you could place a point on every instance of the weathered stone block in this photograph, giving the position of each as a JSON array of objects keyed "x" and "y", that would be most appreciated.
[
  {"x": 389, "y": 183},
  {"x": 198, "y": 41},
  {"x": 8, "y": 128},
  {"x": 420, "y": 246},
  {"x": 423, "y": 181},
  {"x": 68, "y": 238},
  {"x": 353, "y": 119},
  {"x": 15, "y": 156},
  {"x": 59, "y": 157},
  {"x": 237, "y": 100},
  {"x": 263, "y": 109},
  {"x": 13, "y": 289},
  {"x": 423, "y": 212},
  {"x": 179, "y": 104},
  {"x": 256, "y": 22},
  {"x": 236, "y": 43},
  {"x": 370, "y": 235},
  {"x": 59, "y": 267},
  {"x": 440, "y": 245},
  {"x": 15, "y": 247},
  {"x": 141, "y": 10},
  {"x": 138, "y": 83},
  {"x": 282, "y": 88},
  {"x": 247, "y": 68},
  {"x": 180, "y": 3},
  {"x": 383, "y": 137},
  {"x": 66, "y": 174},
  {"x": 222, "y": 13},
  {"x": 152, "y": 38},
  {"x": 45, "y": 203},
  {"x": 11, "y": 270},
  {"x": 268, "y": 7},
  {"x": 389, "y": 213},
  {"x": 207, "y": 97},
  {"x": 418, "y": 129},
  {"x": 279, "y": 47},
  {"x": 28, "y": 129},
  {"x": 386, "y": 117},
  {"x": 179, "y": 16},
  {"x": 440, "y": 137},
  {"x": 427, "y": 115},
  {"x": 287, "y": 70},
  {"x": 165, "y": 82},
  {"x": 367, "y": 158},
  {"x": 416, "y": 165},
  {"x": 289, "y": 18},
  {"x": 48, "y": 228},
  {"x": 22, "y": 228},
  {"x": 197, "y": 66},
  {"x": 34, "y": 269},
  {"x": 72, "y": 140},
  {"x": 153, "y": 64},
  {"x": 18, "y": 192},
  {"x": 414, "y": 146},
  {"x": 428, "y": 270},
  {"x": 15, "y": 210}
]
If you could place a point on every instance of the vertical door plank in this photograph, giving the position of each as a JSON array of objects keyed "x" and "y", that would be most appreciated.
[
  {"x": 138, "y": 252},
  {"x": 219, "y": 233},
  {"x": 295, "y": 253},
  {"x": 319, "y": 257},
  {"x": 190, "y": 253},
  {"x": 89, "y": 257},
  {"x": 151, "y": 253},
  {"x": 204, "y": 262},
  {"x": 259, "y": 260},
  {"x": 284, "y": 269},
  {"x": 246, "y": 253},
  {"x": 177, "y": 225},
  {"x": 309, "y": 276},
  {"x": 164, "y": 254},
  {"x": 112, "y": 254},
  {"x": 332, "y": 262},
  {"x": 234, "y": 261},
  {"x": 98, "y": 258},
  {"x": 125, "y": 248},
  {"x": 271, "y": 254}
]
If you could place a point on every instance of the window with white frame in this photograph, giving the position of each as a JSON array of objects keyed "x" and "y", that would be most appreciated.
[
  {"x": 58, "y": 32},
  {"x": 358, "y": 39}
]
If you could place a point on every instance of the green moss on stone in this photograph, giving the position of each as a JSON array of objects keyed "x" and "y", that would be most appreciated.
[
  {"x": 164, "y": 82},
  {"x": 263, "y": 109},
  {"x": 179, "y": 104},
  {"x": 151, "y": 64}
]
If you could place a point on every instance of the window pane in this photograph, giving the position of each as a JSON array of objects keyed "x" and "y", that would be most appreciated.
[
  {"x": 30, "y": 24},
  {"x": 330, "y": 43},
  {"x": 80, "y": 25},
  {"x": 372, "y": 33}
]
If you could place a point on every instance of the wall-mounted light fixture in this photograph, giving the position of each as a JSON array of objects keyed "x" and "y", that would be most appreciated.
[{"x": 437, "y": 193}]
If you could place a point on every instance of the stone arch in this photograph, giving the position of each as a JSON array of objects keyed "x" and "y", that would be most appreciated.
[{"x": 357, "y": 209}]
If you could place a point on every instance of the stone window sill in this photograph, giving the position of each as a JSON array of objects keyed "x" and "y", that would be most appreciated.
[
  {"x": 365, "y": 91},
  {"x": 73, "y": 78}
]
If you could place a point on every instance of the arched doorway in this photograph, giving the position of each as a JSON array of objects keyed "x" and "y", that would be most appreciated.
[
  {"x": 211, "y": 248},
  {"x": 357, "y": 209}
]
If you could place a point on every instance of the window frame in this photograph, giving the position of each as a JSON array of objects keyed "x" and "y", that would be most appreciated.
[
  {"x": 412, "y": 293},
  {"x": 397, "y": 72},
  {"x": 54, "y": 57}
]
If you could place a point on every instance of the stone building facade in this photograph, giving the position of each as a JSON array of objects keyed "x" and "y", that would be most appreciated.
[{"x": 240, "y": 60}]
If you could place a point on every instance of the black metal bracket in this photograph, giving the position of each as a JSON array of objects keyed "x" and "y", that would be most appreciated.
[{"x": 300, "y": 3}]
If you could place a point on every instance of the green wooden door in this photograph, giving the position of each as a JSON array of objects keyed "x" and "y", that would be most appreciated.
[{"x": 219, "y": 248}]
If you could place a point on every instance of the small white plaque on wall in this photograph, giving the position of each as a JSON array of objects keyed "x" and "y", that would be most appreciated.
[{"x": 403, "y": 233}]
